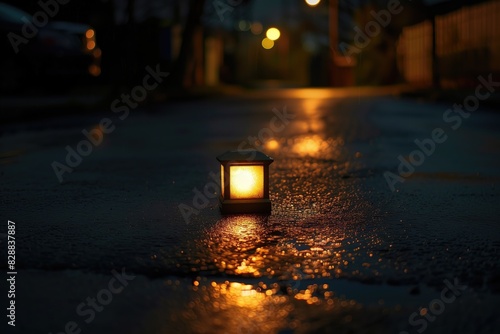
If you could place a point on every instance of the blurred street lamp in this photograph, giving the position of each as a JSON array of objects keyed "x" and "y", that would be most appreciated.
[
  {"x": 267, "y": 43},
  {"x": 312, "y": 3},
  {"x": 273, "y": 34},
  {"x": 244, "y": 25},
  {"x": 256, "y": 28},
  {"x": 245, "y": 182}
]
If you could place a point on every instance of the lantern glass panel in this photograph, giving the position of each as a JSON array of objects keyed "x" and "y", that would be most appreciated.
[
  {"x": 222, "y": 179},
  {"x": 246, "y": 182}
]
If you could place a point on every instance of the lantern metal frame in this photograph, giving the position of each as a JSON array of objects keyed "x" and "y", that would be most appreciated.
[{"x": 230, "y": 205}]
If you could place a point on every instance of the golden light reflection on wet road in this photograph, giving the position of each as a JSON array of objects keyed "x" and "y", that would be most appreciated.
[
  {"x": 264, "y": 269},
  {"x": 238, "y": 235},
  {"x": 260, "y": 308},
  {"x": 255, "y": 246},
  {"x": 236, "y": 307},
  {"x": 316, "y": 146}
]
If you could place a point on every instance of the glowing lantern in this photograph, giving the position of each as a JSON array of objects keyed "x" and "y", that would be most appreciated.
[{"x": 245, "y": 182}]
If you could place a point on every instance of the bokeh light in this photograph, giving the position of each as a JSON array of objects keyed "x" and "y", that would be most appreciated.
[
  {"x": 273, "y": 34},
  {"x": 267, "y": 43},
  {"x": 272, "y": 144},
  {"x": 244, "y": 25},
  {"x": 89, "y": 33},
  {"x": 256, "y": 28},
  {"x": 90, "y": 45},
  {"x": 313, "y": 3}
]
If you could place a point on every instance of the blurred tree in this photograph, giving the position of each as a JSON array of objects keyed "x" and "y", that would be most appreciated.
[
  {"x": 376, "y": 59},
  {"x": 184, "y": 60}
]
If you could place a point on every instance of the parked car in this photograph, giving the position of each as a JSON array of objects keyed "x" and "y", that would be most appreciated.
[{"x": 35, "y": 53}]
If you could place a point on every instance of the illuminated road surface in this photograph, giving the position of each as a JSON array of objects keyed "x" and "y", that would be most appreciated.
[{"x": 340, "y": 253}]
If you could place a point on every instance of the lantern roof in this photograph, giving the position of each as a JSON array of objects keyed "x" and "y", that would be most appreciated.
[{"x": 247, "y": 155}]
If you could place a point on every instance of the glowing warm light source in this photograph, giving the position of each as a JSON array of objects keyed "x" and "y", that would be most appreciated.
[
  {"x": 273, "y": 34},
  {"x": 95, "y": 70},
  {"x": 256, "y": 28},
  {"x": 272, "y": 144},
  {"x": 245, "y": 182},
  {"x": 222, "y": 177},
  {"x": 312, "y": 3},
  {"x": 267, "y": 43},
  {"x": 90, "y": 45},
  {"x": 89, "y": 33}
]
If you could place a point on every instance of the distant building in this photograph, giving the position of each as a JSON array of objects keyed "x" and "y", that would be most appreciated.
[{"x": 467, "y": 44}]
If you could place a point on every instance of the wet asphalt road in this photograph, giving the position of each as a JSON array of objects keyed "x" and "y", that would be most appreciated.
[{"x": 341, "y": 252}]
